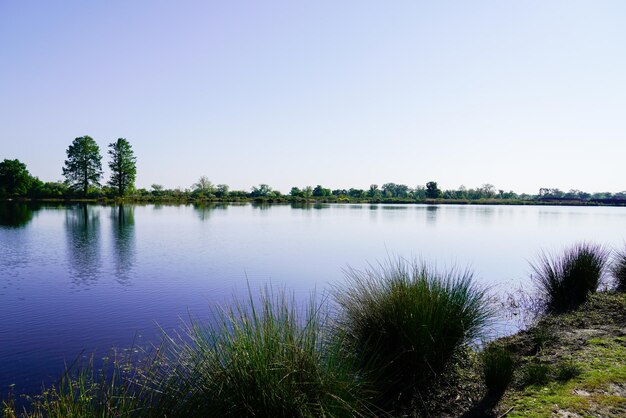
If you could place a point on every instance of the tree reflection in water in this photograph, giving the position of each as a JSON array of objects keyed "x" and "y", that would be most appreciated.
[{"x": 82, "y": 226}]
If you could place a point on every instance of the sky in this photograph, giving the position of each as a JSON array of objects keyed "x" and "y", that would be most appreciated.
[{"x": 518, "y": 94}]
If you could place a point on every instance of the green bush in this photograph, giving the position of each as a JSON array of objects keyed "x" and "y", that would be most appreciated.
[
  {"x": 565, "y": 281},
  {"x": 404, "y": 322}
]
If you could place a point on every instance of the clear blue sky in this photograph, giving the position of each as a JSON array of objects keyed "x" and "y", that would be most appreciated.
[{"x": 519, "y": 94}]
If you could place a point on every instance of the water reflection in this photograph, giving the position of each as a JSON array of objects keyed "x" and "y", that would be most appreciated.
[
  {"x": 123, "y": 226},
  {"x": 16, "y": 215},
  {"x": 431, "y": 214},
  {"x": 82, "y": 226},
  {"x": 309, "y": 205},
  {"x": 205, "y": 210}
]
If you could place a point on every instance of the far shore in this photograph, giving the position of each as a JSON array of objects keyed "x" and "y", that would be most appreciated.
[{"x": 325, "y": 200}]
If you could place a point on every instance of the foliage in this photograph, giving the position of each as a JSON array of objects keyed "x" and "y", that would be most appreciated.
[
  {"x": 123, "y": 166},
  {"x": 222, "y": 191},
  {"x": 405, "y": 322},
  {"x": 203, "y": 188},
  {"x": 83, "y": 167},
  {"x": 618, "y": 270},
  {"x": 498, "y": 366},
  {"x": 263, "y": 190},
  {"x": 15, "y": 180},
  {"x": 565, "y": 281},
  {"x": 432, "y": 190},
  {"x": 320, "y": 191},
  {"x": 262, "y": 358}
]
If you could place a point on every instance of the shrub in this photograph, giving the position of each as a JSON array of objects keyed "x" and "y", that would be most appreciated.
[
  {"x": 498, "y": 366},
  {"x": 404, "y": 322},
  {"x": 257, "y": 359},
  {"x": 565, "y": 281},
  {"x": 618, "y": 270}
]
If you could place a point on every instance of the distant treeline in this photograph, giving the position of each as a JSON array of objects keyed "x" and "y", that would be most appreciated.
[{"x": 83, "y": 172}]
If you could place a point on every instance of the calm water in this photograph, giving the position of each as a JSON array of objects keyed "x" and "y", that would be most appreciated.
[{"x": 82, "y": 278}]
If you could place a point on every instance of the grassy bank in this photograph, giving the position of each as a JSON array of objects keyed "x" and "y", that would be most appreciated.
[{"x": 573, "y": 363}]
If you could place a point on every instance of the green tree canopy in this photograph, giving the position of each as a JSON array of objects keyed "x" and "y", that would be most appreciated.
[
  {"x": 15, "y": 180},
  {"x": 83, "y": 166},
  {"x": 123, "y": 166},
  {"x": 263, "y": 190},
  {"x": 320, "y": 191},
  {"x": 432, "y": 190},
  {"x": 204, "y": 187}
]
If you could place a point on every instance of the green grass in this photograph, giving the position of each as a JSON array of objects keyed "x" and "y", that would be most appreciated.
[
  {"x": 618, "y": 270},
  {"x": 591, "y": 392},
  {"x": 498, "y": 365},
  {"x": 542, "y": 335},
  {"x": 405, "y": 321},
  {"x": 566, "y": 280},
  {"x": 537, "y": 374},
  {"x": 263, "y": 359},
  {"x": 85, "y": 392},
  {"x": 567, "y": 370}
]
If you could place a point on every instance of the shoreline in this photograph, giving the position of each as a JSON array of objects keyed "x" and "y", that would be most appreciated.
[{"x": 290, "y": 200}]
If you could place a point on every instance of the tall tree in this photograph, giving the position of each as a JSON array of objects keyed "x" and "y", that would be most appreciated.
[
  {"x": 203, "y": 186},
  {"x": 15, "y": 180},
  {"x": 123, "y": 166},
  {"x": 83, "y": 166},
  {"x": 432, "y": 190}
]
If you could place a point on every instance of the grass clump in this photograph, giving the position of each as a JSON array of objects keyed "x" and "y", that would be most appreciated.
[
  {"x": 84, "y": 392},
  {"x": 541, "y": 336},
  {"x": 537, "y": 374},
  {"x": 498, "y": 365},
  {"x": 405, "y": 322},
  {"x": 262, "y": 358},
  {"x": 567, "y": 370},
  {"x": 565, "y": 281},
  {"x": 618, "y": 270}
]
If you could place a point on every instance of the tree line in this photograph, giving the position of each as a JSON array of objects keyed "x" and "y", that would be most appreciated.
[
  {"x": 82, "y": 171},
  {"x": 83, "y": 174}
]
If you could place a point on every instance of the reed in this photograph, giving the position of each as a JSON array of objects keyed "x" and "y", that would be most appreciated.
[
  {"x": 264, "y": 358},
  {"x": 618, "y": 270}
]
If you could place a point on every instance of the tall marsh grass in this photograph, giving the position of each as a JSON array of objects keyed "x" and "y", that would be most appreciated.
[
  {"x": 566, "y": 280},
  {"x": 618, "y": 270},
  {"x": 84, "y": 391},
  {"x": 404, "y": 322},
  {"x": 264, "y": 358}
]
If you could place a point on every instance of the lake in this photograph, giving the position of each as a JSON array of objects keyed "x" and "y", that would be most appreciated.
[{"x": 79, "y": 279}]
